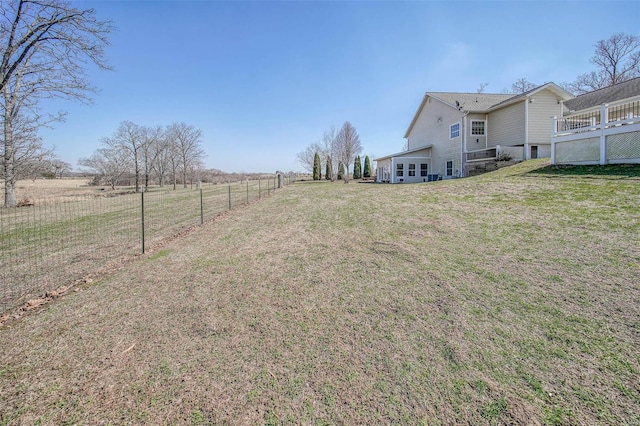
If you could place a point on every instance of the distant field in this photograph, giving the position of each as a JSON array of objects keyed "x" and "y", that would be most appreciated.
[
  {"x": 59, "y": 189},
  {"x": 507, "y": 298}
]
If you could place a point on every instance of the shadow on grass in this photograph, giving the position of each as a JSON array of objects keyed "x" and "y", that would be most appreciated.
[{"x": 610, "y": 171}]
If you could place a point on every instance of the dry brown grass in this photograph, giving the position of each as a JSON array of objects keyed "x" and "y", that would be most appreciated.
[
  {"x": 52, "y": 190},
  {"x": 511, "y": 298}
]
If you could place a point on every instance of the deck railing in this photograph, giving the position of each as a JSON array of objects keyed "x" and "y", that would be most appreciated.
[
  {"x": 481, "y": 154},
  {"x": 615, "y": 114},
  {"x": 606, "y": 134}
]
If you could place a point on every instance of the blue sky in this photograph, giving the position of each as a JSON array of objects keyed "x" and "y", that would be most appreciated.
[{"x": 263, "y": 80}]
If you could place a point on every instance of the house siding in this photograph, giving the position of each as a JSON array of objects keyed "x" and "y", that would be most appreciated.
[
  {"x": 432, "y": 128},
  {"x": 387, "y": 167},
  {"x": 507, "y": 126},
  {"x": 432, "y": 124},
  {"x": 475, "y": 142},
  {"x": 544, "y": 106}
]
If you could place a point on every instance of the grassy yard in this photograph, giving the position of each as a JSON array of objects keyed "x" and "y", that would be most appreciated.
[{"x": 508, "y": 298}]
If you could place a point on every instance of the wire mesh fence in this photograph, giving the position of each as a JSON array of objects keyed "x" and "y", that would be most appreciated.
[{"x": 57, "y": 241}]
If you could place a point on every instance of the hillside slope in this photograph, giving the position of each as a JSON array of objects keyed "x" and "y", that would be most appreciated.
[{"x": 507, "y": 298}]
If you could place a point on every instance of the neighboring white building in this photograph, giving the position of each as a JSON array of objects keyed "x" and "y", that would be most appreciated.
[{"x": 453, "y": 133}]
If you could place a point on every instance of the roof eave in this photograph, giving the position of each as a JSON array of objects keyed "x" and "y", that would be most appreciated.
[
  {"x": 559, "y": 91},
  {"x": 398, "y": 154}
]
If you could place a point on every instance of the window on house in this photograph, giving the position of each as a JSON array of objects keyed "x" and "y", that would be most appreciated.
[
  {"x": 424, "y": 171},
  {"x": 449, "y": 168},
  {"x": 412, "y": 169},
  {"x": 454, "y": 131},
  {"x": 477, "y": 127},
  {"x": 400, "y": 169}
]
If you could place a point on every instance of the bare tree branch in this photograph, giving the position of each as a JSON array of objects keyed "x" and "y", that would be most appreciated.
[
  {"x": 617, "y": 59},
  {"x": 188, "y": 148},
  {"x": 45, "y": 48},
  {"x": 522, "y": 85},
  {"x": 129, "y": 139}
]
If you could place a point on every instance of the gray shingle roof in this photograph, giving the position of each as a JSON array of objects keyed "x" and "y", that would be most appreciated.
[
  {"x": 613, "y": 93},
  {"x": 483, "y": 102}
]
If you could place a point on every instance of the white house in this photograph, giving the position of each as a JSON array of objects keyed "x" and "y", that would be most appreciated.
[{"x": 452, "y": 133}]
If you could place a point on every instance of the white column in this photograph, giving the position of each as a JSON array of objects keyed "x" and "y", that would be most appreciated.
[
  {"x": 392, "y": 174},
  {"x": 527, "y": 152},
  {"x": 604, "y": 118},
  {"x": 553, "y": 142}
]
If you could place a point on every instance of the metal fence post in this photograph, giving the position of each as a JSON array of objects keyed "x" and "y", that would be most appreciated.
[
  {"x": 259, "y": 190},
  {"x": 142, "y": 216},
  {"x": 229, "y": 195},
  {"x": 247, "y": 191},
  {"x": 201, "y": 209}
]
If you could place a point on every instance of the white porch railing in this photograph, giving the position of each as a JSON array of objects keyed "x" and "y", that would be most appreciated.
[
  {"x": 480, "y": 154},
  {"x": 606, "y": 134}
]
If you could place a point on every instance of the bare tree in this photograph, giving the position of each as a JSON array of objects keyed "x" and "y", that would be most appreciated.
[
  {"x": 163, "y": 154},
  {"x": 331, "y": 150},
  {"x": 616, "y": 60},
  {"x": 348, "y": 146},
  {"x": 522, "y": 85},
  {"x": 130, "y": 139},
  {"x": 59, "y": 167},
  {"x": 187, "y": 142},
  {"x": 151, "y": 137},
  {"x": 44, "y": 48},
  {"x": 109, "y": 163},
  {"x": 482, "y": 87},
  {"x": 306, "y": 157},
  {"x": 27, "y": 157}
]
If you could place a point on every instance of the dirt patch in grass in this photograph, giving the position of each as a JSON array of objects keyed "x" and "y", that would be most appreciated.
[{"x": 501, "y": 299}]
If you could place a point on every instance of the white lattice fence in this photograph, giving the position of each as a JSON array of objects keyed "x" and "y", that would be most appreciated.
[
  {"x": 585, "y": 150},
  {"x": 623, "y": 146}
]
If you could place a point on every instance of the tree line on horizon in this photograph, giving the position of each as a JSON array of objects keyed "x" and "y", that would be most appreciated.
[{"x": 148, "y": 153}]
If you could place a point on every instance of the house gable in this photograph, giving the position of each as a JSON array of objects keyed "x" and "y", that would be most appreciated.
[
  {"x": 551, "y": 87},
  {"x": 431, "y": 123}
]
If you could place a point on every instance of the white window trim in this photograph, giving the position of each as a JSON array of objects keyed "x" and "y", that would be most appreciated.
[
  {"x": 445, "y": 167},
  {"x": 484, "y": 127},
  {"x": 451, "y": 127}
]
